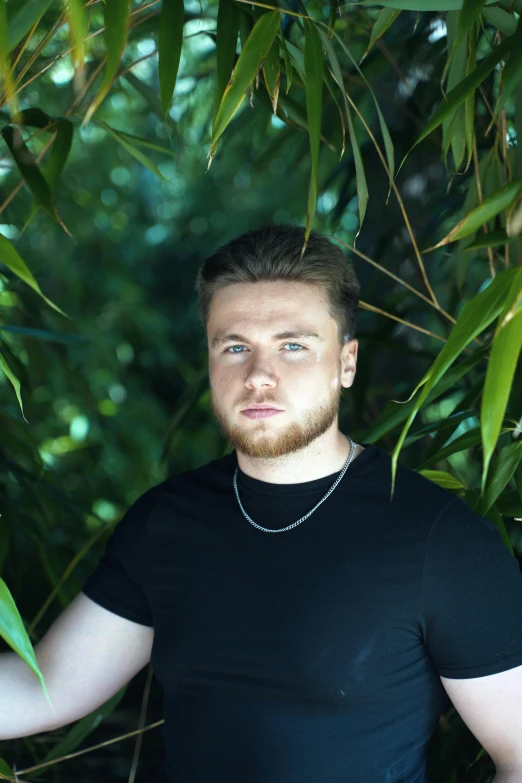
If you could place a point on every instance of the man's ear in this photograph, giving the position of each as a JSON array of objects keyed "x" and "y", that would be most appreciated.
[{"x": 348, "y": 362}]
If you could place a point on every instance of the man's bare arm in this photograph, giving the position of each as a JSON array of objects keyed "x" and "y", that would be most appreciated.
[{"x": 86, "y": 656}]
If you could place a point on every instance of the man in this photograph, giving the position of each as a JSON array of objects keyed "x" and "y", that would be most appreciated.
[{"x": 304, "y": 628}]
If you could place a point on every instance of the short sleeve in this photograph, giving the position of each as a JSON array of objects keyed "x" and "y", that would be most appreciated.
[
  {"x": 470, "y": 596},
  {"x": 117, "y": 582}
]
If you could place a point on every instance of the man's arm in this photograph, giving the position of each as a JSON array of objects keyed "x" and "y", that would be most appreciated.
[
  {"x": 86, "y": 656},
  {"x": 491, "y": 707}
]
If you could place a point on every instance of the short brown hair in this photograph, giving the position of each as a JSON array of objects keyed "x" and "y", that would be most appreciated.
[{"x": 273, "y": 252}]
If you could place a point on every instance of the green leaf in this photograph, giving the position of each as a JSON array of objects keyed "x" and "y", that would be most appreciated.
[
  {"x": 116, "y": 21},
  {"x": 503, "y": 470},
  {"x": 442, "y": 478},
  {"x": 24, "y": 20},
  {"x": 505, "y": 352},
  {"x": 476, "y": 315},
  {"x": 77, "y": 20},
  {"x": 226, "y": 44},
  {"x": 469, "y": 103},
  {"x": 55, "y": 161},
  {"x": 5, "y": 771},
  {"x": 152, "y": 99},
  {"x": 334, "y": 12},
  {"x": 458, "y": 94},
  {"x": 500, "y": 19},
  {"x": 13, "y": 261},
  {"x": 30, "y": 171},
  {"x": 420, "y": 5},
  {"x": 491, "y": 239},
  {"x": 518, "y": 128},
  {"x": 486, "y": 210},
  {"x": 13, "y": 632},
  {"x": 43, "y": 334},
  {"x": 512, "y": 73},
  {"x": 468, "y": 15},
  {"x": 137, "y": 140},
  {"x": 272, "y": 74},
  {"x": 16, "y": 385},
  {"x": 388, "y": 144},
  {"x": 465, "y": 441},
  {"x": 130, "y": 144},
  {"x": 253, "y": 53},
  {"x": 401, "y": 411},
  {"x": 170, "y": 43},
  {"x": 360, "y": 175},
  {"x": 386, "y": 18},
  {"x": 313, "y": 62}
]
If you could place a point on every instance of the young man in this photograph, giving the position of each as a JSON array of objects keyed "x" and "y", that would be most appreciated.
[{"x": 304, "y": 628}]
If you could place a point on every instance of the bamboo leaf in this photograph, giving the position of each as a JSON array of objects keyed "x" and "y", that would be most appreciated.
[
  {"x": 386, "y": 18},
  {"x": 13, "y": 261},
  {"x": 468, "y": 15},
  {"x": 420, "y": 5},
  {"x": 6, "y": 773},
  {"x": 253, "y": 53},
  {"x": 16, "y": 385},
  {"x": 469, "y": 103},
  {"x": 458, "y": 94},
  {"x": 360, "y": 175},
  {"x": 331, "y": 88},
  {"x": 500, "y": 19},
  {"x": 486, "y": 210},
  {"x": 30, "y": 172},
  {"x": 512, "y": 73},
  {"x": 55, "y": 162},
  {"x": 334, "y": 10},
  {"x": 504, "y": 468},
  {"x": 129, "y": 143},
  {"x": 313, "y": 62},
  {"x": 152, "y": 99},
  {"x": 476, "y": 315},
  {"x": 388, "y": 144},
  {"x": 400, "y": 412},
  {"x": 77, "y": 20},
  {"x": 226, "y": 44},
  {"x": 272, "y": 74},
  {"x": 6, "y": 79},
  {"x": 170, "y": 43},
  {"x": 491, "y": 239},
  {"x": 116, "y": 21},
  {"x": 465, "y": 441},
  {"x": 13, "y": 632},
  {"x": 505, "y": 352},
  {"x": 442, "y": 478},
  {"x": 23, "y": 21}
]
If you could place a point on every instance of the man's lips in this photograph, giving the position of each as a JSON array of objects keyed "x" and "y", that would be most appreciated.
[{"x": 260, "y": 411}]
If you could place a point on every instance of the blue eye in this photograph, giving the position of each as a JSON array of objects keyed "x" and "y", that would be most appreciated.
[
  {"x": 296, "y": 345},
  {"x": 229, "y": 350}
]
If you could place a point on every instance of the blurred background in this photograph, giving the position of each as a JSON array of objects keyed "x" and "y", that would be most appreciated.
[{"x": 116, "y": 397}]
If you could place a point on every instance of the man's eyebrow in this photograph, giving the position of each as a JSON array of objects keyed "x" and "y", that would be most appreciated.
[{"x": 294, "y": 334}]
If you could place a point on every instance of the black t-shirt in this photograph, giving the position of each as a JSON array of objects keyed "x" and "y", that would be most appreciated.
[{"x": 311, "y": 655}]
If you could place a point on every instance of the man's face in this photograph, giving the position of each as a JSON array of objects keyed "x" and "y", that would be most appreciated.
[{"x": 275, "y": 343}]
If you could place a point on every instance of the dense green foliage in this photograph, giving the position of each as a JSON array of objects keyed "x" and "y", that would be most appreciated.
[{"x": 105, "y": 197}]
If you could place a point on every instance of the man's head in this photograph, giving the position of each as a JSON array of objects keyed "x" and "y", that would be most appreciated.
[{"x": 280, "y": 330}]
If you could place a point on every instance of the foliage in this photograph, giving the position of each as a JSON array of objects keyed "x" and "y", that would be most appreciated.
[{"x": 111, "y": 114}]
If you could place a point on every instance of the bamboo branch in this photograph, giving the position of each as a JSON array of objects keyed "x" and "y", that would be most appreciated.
[
  {"x": 371, "y": 308},
  {"x": 89, "y": 750}
]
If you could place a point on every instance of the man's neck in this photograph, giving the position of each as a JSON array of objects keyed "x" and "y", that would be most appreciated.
[{"x": 317, "y": 460}]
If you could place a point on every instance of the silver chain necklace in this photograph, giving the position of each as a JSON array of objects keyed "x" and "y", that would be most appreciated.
[{"x": 282, "y": 529}]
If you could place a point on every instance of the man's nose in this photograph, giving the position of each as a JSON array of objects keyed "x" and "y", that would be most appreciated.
[{"x": 260, "y": 372}]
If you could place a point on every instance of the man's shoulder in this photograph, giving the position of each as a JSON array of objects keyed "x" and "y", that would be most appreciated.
[
  {"x": 412, "y": 490},
  {"x": 218, "y": 471}
]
